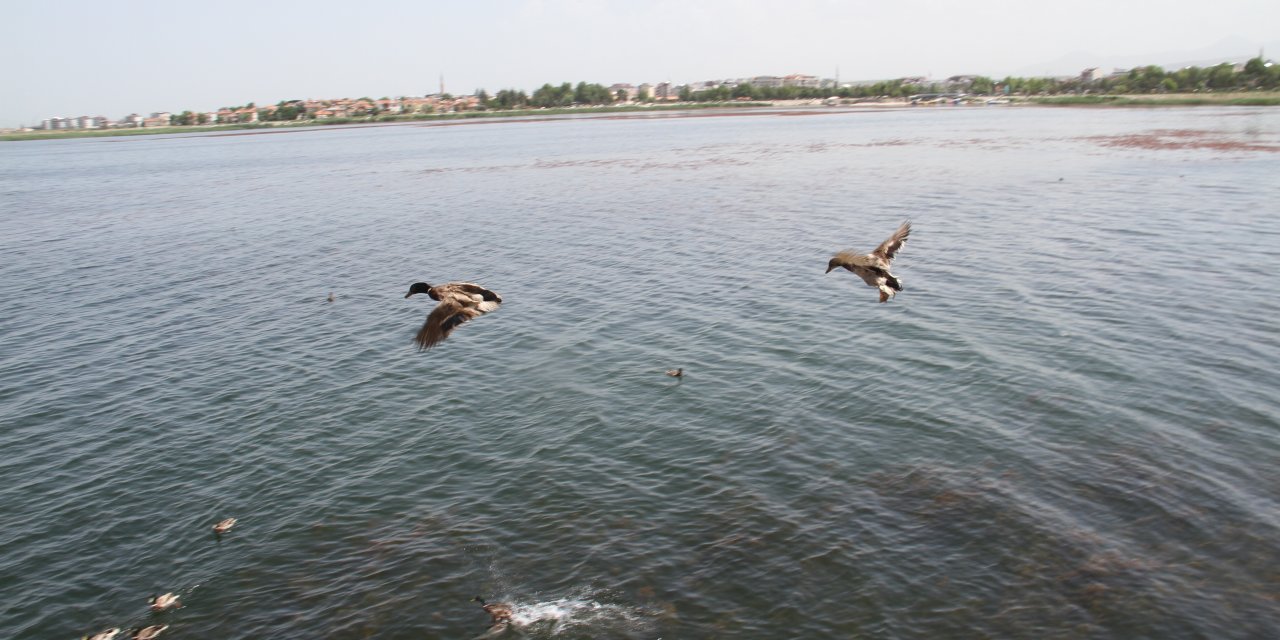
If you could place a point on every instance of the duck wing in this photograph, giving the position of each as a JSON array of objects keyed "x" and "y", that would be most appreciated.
[
  {"x": 889, "y": 248},
  {"x": 453, "y": 310}
]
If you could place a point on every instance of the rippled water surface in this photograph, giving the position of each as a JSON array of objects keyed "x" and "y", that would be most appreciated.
[{"x": 1065, "y": 426}]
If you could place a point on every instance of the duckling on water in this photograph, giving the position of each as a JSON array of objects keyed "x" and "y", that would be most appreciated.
[
  {"x": 676, "y": 373},
  {"x": 873, "y": 267},
  {"x": 149, "y": 633},
  {"x": 459, "y": 302},
  {"x": 224, "y": 526},
  {"x": 166, "y": 601}
]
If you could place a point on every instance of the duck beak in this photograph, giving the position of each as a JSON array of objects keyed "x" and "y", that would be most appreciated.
[
  {"x": 829, "y": 268},
  {"x": 408, "y": 294}
]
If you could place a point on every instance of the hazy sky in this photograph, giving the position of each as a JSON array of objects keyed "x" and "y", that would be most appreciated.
[{"x": 105, "y": 57}]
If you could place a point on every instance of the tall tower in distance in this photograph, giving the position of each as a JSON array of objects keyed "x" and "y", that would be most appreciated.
[{"x": 442, "y": 84}]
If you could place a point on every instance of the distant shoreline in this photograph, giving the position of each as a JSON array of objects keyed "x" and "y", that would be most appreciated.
[
  {"x": 682, "y": 110},
  {"x": 1227, "y": 99},
  {"x": 385, "y": 120}
]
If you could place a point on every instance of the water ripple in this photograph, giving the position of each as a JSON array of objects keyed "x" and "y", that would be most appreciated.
[{"x": 1063, "y": 426}]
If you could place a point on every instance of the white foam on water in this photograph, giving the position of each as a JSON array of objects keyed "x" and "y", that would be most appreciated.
[{"x": 563, "y": 614}]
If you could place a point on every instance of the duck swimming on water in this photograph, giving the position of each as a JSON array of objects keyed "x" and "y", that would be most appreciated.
[
  {"x": 166, "y": 601},
  {"x": 224, "y": 526},
  {"x": 873, "y": 267},
  {"x": 676, "y": 373},
  {"x": 499, "y": 613},
  {"x": 149, "y": 633},
  {"x": 459, "y": 302}
]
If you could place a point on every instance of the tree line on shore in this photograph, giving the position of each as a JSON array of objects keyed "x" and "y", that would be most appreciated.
[
  {"x": 1255, "y": 75},
  {"x": 549, "y": 96}
]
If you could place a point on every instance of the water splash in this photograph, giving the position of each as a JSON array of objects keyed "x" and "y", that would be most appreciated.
[{"x": 578, "y": 614}]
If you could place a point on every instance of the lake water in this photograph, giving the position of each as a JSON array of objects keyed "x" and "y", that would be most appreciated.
[{"x": 1066, "y": 426}]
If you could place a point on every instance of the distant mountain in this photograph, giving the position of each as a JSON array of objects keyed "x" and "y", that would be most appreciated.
[{"x": 1233, "y": 50}]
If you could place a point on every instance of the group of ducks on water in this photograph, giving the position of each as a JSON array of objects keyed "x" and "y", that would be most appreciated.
[
  {"x": 499, "y": 613},
  {"x": 462, "y": 301},
  {"x": 158, "y": 603},
  {"x": 459, "y": 302}
]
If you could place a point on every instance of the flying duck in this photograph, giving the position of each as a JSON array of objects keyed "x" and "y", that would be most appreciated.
[
  {"x": 166, "y": 601},
  {"x": 149, "y": 633},
  {"x": 224, "y": 526},
  {"x": 499, "y": 613},
  {"x": 459, "y": 302},
  {"x": 873, "y": 267},
  {"x": 676, "y": 373},
  {"x": 109, "y": 634}
]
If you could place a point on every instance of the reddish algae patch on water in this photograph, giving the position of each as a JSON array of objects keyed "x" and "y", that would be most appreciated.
[{"x": 1177, "y": 139}]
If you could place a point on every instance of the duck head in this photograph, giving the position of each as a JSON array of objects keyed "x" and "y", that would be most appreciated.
[
  {"x": 418, "y": 287},
  {"x": 831, "y": 264},
  {"x": 478, "y": 599}
]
